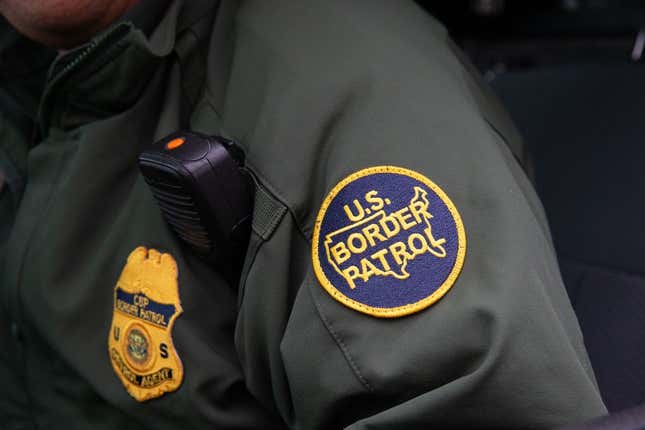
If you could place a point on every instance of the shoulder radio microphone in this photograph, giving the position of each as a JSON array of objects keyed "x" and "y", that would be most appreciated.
[{"x": 204, "y": 193}]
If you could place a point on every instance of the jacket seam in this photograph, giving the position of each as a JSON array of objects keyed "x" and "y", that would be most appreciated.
[
  {"x": 341, "y": 345},
  {"x": 326, "y": 323},
  {"x": 246, "y": 270}
]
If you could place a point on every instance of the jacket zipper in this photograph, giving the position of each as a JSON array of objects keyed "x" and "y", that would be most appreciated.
[{"x": 56, "y": 78}]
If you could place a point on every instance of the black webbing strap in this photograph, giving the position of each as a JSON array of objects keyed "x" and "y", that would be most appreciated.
[{"x": 267, "y": 213}]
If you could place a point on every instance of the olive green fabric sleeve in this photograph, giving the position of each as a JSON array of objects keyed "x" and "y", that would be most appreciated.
[{"x": 319, "y": 90}]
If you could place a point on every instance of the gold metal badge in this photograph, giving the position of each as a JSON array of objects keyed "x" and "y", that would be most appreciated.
[{"x": 146, "y": 305}]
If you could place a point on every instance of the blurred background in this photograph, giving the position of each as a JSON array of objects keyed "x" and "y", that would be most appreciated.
[{"x": 571, "y": 73}]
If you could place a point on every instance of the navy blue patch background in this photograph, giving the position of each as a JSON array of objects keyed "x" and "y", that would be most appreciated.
[{"x": 427, "y": 272}]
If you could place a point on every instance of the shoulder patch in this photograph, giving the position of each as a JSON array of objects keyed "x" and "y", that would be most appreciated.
[
  {"x": 388, "y": 242},
  {"x": 146, "y": 305}
]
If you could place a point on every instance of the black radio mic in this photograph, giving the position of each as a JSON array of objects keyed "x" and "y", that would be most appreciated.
[{"x": 204, "y": 192}]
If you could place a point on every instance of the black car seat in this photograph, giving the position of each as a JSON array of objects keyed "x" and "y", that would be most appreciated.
[
  {"x": 630, "y": 419},
  {"x": 585, "y": 125}
]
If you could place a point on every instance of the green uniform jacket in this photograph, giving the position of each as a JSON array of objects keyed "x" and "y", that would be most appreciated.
[{"x": 313, "y": 91}]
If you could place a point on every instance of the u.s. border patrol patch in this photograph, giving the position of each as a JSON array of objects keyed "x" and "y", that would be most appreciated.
[
  {"x": 146, "y": 305},
  {"x": 388, "y": 242}
]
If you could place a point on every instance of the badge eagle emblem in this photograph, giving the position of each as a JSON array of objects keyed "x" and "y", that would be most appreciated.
[{"x": 146, "y": 305}]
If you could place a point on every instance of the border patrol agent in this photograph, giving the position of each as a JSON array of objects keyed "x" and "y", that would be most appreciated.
[{"x": 400, "y": 273}]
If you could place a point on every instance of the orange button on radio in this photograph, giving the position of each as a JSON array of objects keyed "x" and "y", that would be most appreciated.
[{"x": 175, "y": 143}]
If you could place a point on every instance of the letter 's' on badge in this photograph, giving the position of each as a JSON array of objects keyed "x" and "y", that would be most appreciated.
[
  {"x": 388, "y": 242},
  {"x": 146, "y": 305}
]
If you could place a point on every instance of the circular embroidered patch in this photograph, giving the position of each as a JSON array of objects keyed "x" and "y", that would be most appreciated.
[{"x": 388, "y": 242}]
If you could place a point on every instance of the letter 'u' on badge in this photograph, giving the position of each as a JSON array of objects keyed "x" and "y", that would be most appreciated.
[
  {"x": 146, "y": 305},
  {"x": 388, "y": 242}
]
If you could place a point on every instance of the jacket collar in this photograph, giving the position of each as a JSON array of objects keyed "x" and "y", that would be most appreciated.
[{"x": 108, "y": 74}]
